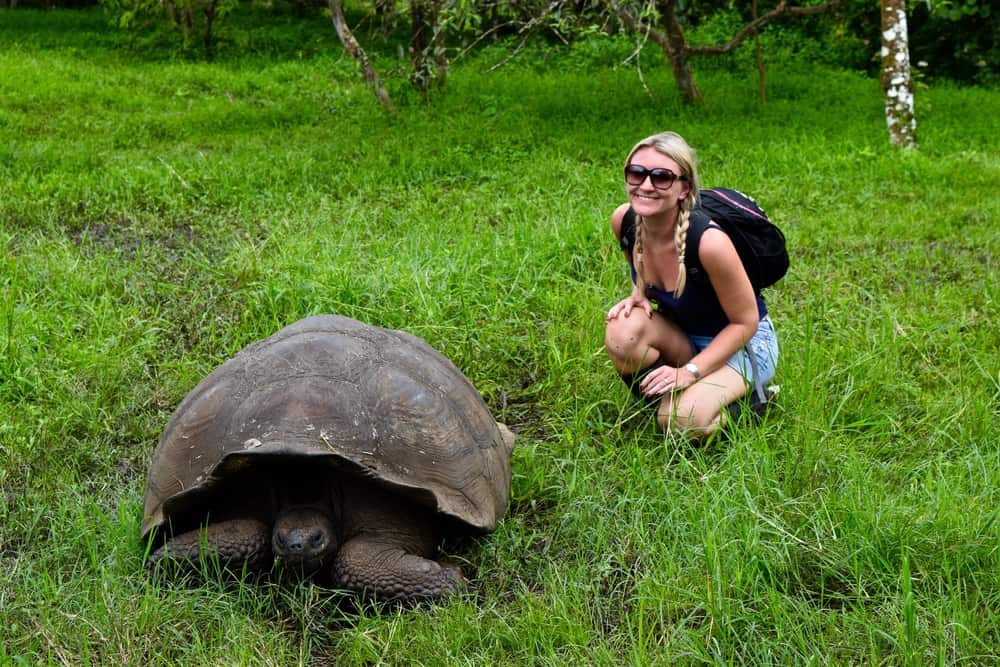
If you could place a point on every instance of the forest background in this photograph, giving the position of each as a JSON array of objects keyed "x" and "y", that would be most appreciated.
[{"x": 163, "y": 204}]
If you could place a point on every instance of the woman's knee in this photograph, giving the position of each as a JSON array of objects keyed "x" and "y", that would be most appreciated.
[
  {"x": 691, "y": 418},
  {"x": 627, "y": 338},
  {"x": 696, "y": 410}
]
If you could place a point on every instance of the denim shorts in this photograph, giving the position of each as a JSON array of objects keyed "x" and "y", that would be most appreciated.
[{"x": 763, "y": 346}]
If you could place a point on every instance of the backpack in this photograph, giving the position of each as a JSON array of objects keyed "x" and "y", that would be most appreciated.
[{"x": 758, "y": 241}]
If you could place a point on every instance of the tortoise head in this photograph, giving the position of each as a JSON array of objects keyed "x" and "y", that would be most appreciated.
[
  {"x": 304, "y": 535},
  {"x": 304, "y": 538}
]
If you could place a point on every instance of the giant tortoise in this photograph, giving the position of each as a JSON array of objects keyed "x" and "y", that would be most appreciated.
[{"x": 341, "y": 450}]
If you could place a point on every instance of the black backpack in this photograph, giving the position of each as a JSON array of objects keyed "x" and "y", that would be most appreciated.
[{"x": 759, "y": 242}]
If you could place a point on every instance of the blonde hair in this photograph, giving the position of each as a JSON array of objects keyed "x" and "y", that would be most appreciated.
[{"x": 674, "y": 147}]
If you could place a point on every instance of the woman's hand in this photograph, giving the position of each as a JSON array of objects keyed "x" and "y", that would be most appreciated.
[
  {"x": 625, "y": 306},
  {"x": 666, "y": 379}
]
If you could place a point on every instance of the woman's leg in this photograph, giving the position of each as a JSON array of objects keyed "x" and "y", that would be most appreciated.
[
  {"x": 696, "y": 411},
  {"x": 700, "y": 410},
  {"x": 637, "y": 341}
]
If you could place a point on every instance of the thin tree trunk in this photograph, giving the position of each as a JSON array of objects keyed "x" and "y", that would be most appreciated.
[
  {"x": 186, "y": 22},
  {"x": 896, "y": 82},
  {"x": 171, "y": 11},
  {"x": 430, "y": 65},
  {"x": 761, "y": 74},
  {"x": 421, "y": 27},
  {"x": 358, "y": 53},
  {"x": 387, "y": 15},
  {"x": 437, "y": 43},
  {"x": 206, "y": 39}
]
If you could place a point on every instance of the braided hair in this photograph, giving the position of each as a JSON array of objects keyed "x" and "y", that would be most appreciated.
[{"x": 674, "y": 147}]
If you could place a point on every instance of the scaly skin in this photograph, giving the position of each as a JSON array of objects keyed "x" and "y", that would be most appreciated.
[
  {"x": 382, "y": 546},
  {"x": 380, "y": 568},
  {"x": 388, "y": 546},
  {"x": 233, "y": 541}
]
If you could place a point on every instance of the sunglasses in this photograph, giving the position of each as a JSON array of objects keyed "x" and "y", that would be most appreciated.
[{"x": 661, "y": 179}]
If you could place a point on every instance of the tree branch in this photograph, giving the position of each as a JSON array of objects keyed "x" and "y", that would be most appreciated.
[
  {"x": 635, "y": 25},
  {"x": 751, "y": 28},
  {"x": 526, "y": 31}
]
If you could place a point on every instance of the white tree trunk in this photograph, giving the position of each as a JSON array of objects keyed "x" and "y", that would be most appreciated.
[{"x": 896, "y": 82}]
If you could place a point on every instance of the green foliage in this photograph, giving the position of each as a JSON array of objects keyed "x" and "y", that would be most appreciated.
[
  {"x": 193, "y": 21},
  {"x": 960, "y": 40},
  {"x": 955, "y": 11},
  {"x": 957, "y": 41},
  {"x": 126, "y": 13},
  {"x": 156, "y": 216},
  {"x": 953, "y": 39}
]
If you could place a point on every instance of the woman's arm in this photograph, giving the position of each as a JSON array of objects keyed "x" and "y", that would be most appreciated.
[
  {"x": 616, "y": 222},
  {"x": 736, "y": 296},
  {"x": 636, "y": 298}
]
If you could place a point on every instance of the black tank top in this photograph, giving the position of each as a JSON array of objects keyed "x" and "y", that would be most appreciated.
[{"x": 698, "y": 311}]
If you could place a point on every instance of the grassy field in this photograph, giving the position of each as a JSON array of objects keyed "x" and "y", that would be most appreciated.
[{"x": 157, "y": 215}]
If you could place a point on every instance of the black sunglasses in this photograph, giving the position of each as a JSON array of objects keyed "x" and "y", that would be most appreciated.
[{"x": 661, "y": 179}]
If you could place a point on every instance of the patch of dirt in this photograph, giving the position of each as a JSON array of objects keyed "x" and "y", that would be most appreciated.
[{"x": 126, "y": 236}]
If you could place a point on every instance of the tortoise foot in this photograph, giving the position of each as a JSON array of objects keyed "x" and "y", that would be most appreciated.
[
  {"x": 235, "y": 542},
  {"x": 387, "y": 572}
]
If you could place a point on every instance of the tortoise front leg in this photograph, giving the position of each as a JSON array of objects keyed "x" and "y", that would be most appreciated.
[
  {"x": 235, "y": 541},
  {"x": 378, "y": 566}
]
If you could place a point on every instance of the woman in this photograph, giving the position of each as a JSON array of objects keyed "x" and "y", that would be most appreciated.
[{"x": 691, "y": 346}]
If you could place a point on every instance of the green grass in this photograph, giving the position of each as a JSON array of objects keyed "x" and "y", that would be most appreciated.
[{"x": 156, "y": 216}]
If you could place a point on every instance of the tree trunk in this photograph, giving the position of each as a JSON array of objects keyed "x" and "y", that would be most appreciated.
[
  {"x": 171, "y": 11},
  {"x": 387, "y": 16},
  {"x": 437, "y": 44},
  {"x": 677, "y": 53},
  {"x": 427, "y": 55},
  {"x": 206, "y": 38},
  {"x": 358, "y": 53},
  {"x": 421, "y": 27},
  {"x": 186, "y": 22},
  {"x": 896, "y": 82},
  {"x": 758, "y": 56}
]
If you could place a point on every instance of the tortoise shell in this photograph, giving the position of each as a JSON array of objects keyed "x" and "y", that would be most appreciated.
[{"x": 368, "y": 401}]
